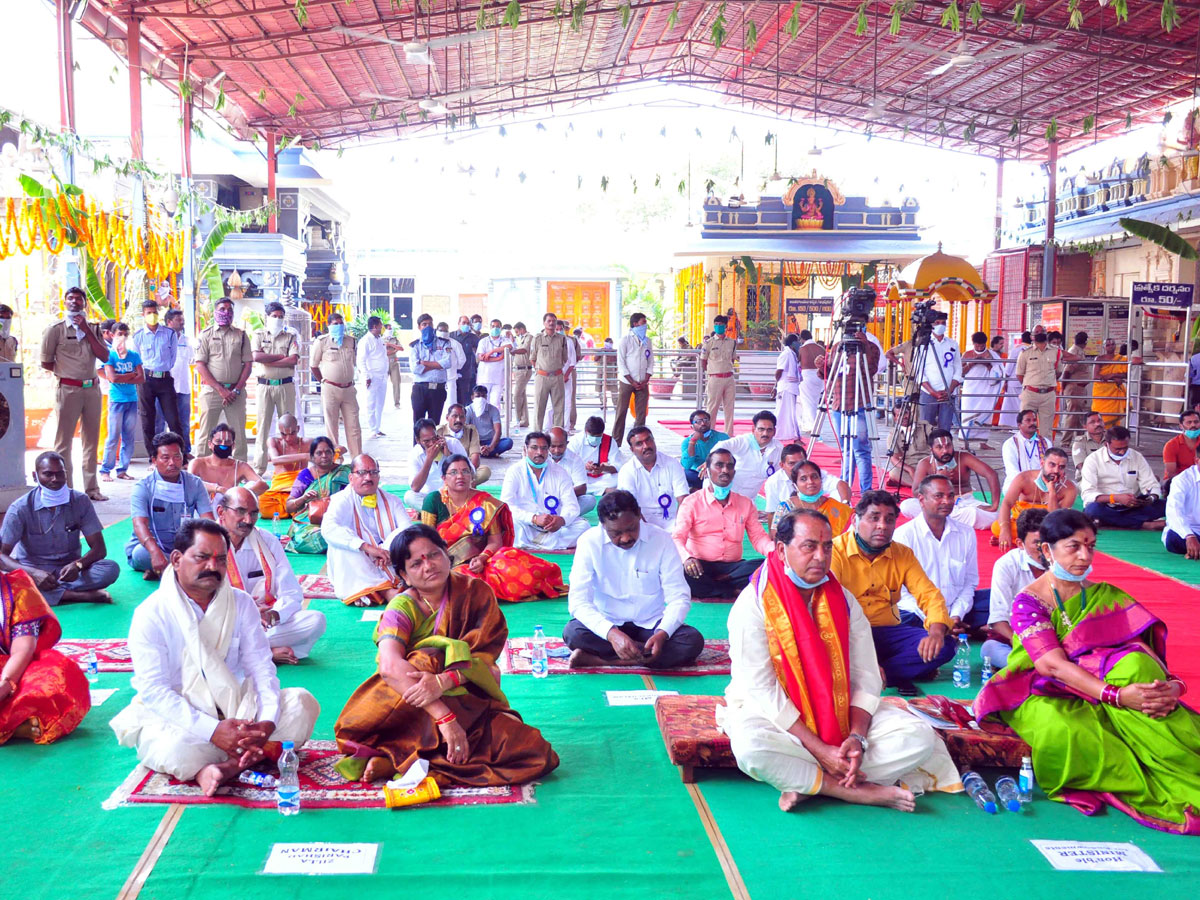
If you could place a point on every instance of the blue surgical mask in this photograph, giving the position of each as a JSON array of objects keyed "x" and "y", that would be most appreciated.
[
  {"x": 1031, "y": 562},
  {"x": 495, "y": 332},
  {"x": 464, "y": 328},
  {"x": 809, "y": 498},
  {"x": 1063, "y": 575},
  {"x": 477, "y": 326},
  {"x": 593, "y": 440},
  {"x": 722, "y": 493},
  {"x": 718, "y": 329},
  {"x": 707, "y": 434},
  {"x": 640, "y": 331},
  {"x": 337, "y": 331},
  {"x": 800, "y": 582},
  {"x": 1117, "y": 457},
  {"x": 538, "y": 466},
  {"x": 427, "y": 335},
  {"x": 1192, "y": 433}
]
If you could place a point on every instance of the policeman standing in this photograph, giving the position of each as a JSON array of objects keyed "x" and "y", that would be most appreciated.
[
  {"x": 276, "y": 351},
  {"x": 332, "y": 362},
  {"x": 717, "y": 354},
  {"x": 548, "y": 356},
  {"x": 223, "y": 362}
]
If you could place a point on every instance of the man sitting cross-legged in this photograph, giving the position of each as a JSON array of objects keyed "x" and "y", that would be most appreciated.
[
  {"x": 208, "y": 702},
  {"x": 657, "y": 480},
  {"x": 219, "y": 470},
  {"x": 1045, "y": 488},
  {"x": 874, "y": 570},
  {"x": 425, "y": 462},
  {"x": 359, "y": 526},
  {"x": 602, "y": 457},
  {"x": 802, "y": 707},
  {"x": 570, "y": 462},
  {"x": 628, "y": 597},
  {"x": 289, "y": 455},
  {"x": 159, "y": 502},
  {"x": 709, "y": 532},
  {"x": 1119, "y": 488},
  {"x": 541, "y": 498},
  {"x": 456, "y": 427},
  {"x": 258, "y": 566},
  {"x": 957, "y": 466}
]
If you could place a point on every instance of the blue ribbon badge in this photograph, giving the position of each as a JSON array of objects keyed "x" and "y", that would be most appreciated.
[
  {"x": 552, "y": 504},
  {"x": 664, "y": 500},
  {"x": 770, "y": 469},
  {"x": 477, "y": 515}
]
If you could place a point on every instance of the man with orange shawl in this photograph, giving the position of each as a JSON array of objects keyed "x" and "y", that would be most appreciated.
[
  {"x": 289, "y": 454},
  {"x": 802, "y": 708},
  {"x": 43, "y": 694}
]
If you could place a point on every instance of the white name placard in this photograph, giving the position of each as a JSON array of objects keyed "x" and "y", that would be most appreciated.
[
  {"x": 1096, "y": 856},
  {"x": 321, "y": 859}
]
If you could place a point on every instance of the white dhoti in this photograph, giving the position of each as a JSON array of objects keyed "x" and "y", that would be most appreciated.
[
  {"x": 968, "y": 511},
  {"x": 901, "y": 749},
  {"x": 530, "y": 537},
  {"x": 787, "y": 427},
  {"x": 347, "y": 526},
  {"x": 979, "y": 398},
  {"x": 1011, "y": 404},
  {"x": 414, "y": 499},
  {"x": 376, "y": 397},
  {"x": 299, "y": 632},
  {"x": 811, "y": 388}
]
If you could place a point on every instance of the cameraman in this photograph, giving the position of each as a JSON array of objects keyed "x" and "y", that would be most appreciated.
[{"x": 940, "y": 376}]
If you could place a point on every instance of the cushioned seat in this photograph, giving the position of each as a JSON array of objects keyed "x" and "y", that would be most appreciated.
[
  {"x": 970, "y": 747},
  {"x": 689, "y": 730}
]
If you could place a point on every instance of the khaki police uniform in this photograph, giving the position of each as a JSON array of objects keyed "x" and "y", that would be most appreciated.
[
  {"x": 574, "y": 384},
  {"x": 522, "y": 372},
  {"x": 276, "y": 386},
  {"x": 720, "y": 352},
  {"x": 339, "y": 400},
  {"x": 393, "y": 356},
  {"x": 8, "y": 349},
  {"x": 226, "y": 352},
  {"x": 548, "y": 356},
  {"x": 77, "y": 398},
  {"x": 1038, "y": 372}
]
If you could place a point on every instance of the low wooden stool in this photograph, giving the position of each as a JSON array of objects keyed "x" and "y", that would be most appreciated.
[{"x": 689, "y": 730}]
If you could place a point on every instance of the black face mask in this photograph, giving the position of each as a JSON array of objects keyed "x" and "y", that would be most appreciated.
[{"x": 222, "y": 451}]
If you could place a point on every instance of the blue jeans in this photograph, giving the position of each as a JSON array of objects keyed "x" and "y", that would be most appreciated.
[
  {"x": 896, "y": 648},
  {"x": 122, "y": 418},
  {"x": 939, "y": 413},
  {"x": 502, "y": 446},
  {"x": 1126, "y": 516},
  {"x": 862, "y": 450},
  {"x": 184, "y": 403}
]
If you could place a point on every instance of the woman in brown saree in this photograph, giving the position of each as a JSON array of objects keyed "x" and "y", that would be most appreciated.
[{"x": 437, "y": 693}]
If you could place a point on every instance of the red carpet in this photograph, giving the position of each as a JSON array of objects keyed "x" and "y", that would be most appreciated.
[{"x": 112, "y": 654}]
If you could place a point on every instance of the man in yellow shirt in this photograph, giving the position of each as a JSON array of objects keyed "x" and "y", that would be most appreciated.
[{"x": 873, "y": 569}]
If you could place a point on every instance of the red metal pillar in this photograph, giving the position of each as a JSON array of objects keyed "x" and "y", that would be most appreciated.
[
  {"x": 134, "y": 44},
  {"x": 272, "y": 197},
  {"x": 1048, "y": 259},
  {"x": 999, "y": 201},
  {"x": 186, "y": 112},
  {"x": 66, "y": 68}
]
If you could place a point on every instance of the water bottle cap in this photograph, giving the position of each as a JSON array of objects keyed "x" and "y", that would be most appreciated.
[
  {"x": 990, "y": 808},
  {"x": 1014, "y": 805},
  {"x": 289, "y": 745}
]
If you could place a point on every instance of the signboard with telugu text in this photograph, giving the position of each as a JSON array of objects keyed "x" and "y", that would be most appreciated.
[
  {"x": 1087, "y": 317},
  {"x": 1162, "y": 294},
  {"x": 812, "y": 306}
]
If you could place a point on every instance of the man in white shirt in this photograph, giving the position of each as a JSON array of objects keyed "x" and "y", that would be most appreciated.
[
  {"x": 657, "y": 480},
  {"x": 373, "y": 363},
  {"x": 542, "y": 499},
  {"x": 490, "y": 354},
  {"x": 429, "y": 451},
  {"x": 181, "y": 374},
  {"x": 458, "y": 359},
  {"x": 560, "y": 455},
  {"x": 1023, "y": 451},
  {"x": 948, "y": 553},
  {"x": 635, "y": 362},
  {"x": 1011, "y": 574},
  {"x": 258, "y": 565},
  {"x": 1119, "y": 488},
  {"x": 756, "y": 453},
  {"x": 940, "y": 376},
  {"x": 358, "y": 526},
  {"x": 789, "y": 731},
  {"x": 601, "y": 456},
  {"x": 629, "y": 598},
  {"x": 1182, "y": 534},
  {"x": 208, "y": 697}
]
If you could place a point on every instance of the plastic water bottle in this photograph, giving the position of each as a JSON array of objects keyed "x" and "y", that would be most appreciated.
[
  {"x": 1010, "y": 799},
  {"x": 1025, "y": 782},
  {"x": 977, "y": 788},
  {"x": 275, "y": 525},
  {"x": 986, "y": 673},
  {"x": 258, "y": 779},
  {"x": 962, "y": 663},
  {"x": 539, "y": 664},
  {"x": 91, "y": 667},
  {"x": 287, "y": 790}
]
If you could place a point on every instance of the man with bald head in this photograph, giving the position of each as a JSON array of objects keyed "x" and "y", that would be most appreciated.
[
  {"x": 569, "y": 460},
  {"x": 289, "y": 454},
  {"x": 359, "y": 526},
  {"x": 258, "y": 566}
]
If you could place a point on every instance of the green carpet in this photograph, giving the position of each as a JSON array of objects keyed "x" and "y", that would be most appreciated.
[{"x": 1145, "y": 548}]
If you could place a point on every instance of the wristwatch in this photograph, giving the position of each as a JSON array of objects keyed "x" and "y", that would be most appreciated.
[{"x": 861, "y": 740}]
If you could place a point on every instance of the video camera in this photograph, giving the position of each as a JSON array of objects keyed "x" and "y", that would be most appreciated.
[{"x": 856, "y": 310}]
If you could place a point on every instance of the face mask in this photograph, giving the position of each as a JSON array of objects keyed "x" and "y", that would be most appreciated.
[
  {"x": 5, "y": 327},
  {"x": 557, "y": 457},
  {"x": 477, "y": 326},
  {"x": 479, "y": 404},
  {"x": 867, "y": 548},
  {"x": 119, "y": 342},
  {"x": 222, "y": 451},
  {"x": 608, "y": 344},
  {"x": 337, "y": 332},
  {"x": 718, "y": 329},
  {"x": 427, "y": 335},
  {"x": 593, "y": 440},
  {"x": 1063, "y": 575},
  {"x": 722, "y": 493},
  {"x": 224, "y": 317},
  {"x": 495, "y": 332},
  {"x": 939, "y": 330},
  {"x": 1117, "y": 457},
  {"x": 464, "y": 328},
  {"x": 444, "y": 335},
  {"x": 640, "y": 331},
  {"x": 55, "y": 498},
  {"x": 274, "y": 325},
  {"x": 1031, "y": 562},
  {"x": 1191, "y": 434},
  {"x": 533, "y": 465},
  {"x": 809, "y": 498},
  {"x": 150, "y": 319},
  {"x": 800, "y": 582}
]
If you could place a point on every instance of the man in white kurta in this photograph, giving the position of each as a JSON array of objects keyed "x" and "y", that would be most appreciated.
[
  {"x": 208, "y": 697},
  {"x": 359, "y": 526},
  {"x": 657, "y": 480},
  {"x": 887, "y": 752},
  {"x": 490, "y": 354},
  {"x": 372, "y": 362},
  {"x": 259, "y": 566},
  {"x": 425, "y": 462},
  {"x": 983, "y": 379},
  {"x": 787, "y": 390},
  {"x": 1023, "y": 451},
  {"x": 812, "y": 384},
  {"x": 562, "y": 456},
  {"x": 602, "y": 456},
  {"x": 541, "y": 497},
  {"x": 757, "y": 455}
]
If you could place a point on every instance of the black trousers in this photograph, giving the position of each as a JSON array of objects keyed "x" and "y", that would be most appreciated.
[
  {"x": 162, "y": 392},
  {"x": 428, "y": 400},
  {"x": 723, "y": 579},
  {"x": 681, "y": 648},
  {"x": 466, "y": 384}
]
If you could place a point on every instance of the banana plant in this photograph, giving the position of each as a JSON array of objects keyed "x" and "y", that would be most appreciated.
[{"x": 1161, "y": 235}]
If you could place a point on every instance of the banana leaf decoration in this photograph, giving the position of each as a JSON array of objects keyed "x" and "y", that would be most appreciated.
[{"x": 1160, "y": 235}]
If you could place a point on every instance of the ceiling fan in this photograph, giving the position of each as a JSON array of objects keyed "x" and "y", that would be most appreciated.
[
  {"x": 961, "y": 56},
  {"x": 434, "y": 105},
  {"x": 415, "y": 52}
]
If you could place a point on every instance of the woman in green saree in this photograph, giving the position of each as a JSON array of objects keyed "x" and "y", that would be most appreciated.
[
  {"x": 317, "y": 482},
  {"x": 1087, "y": 687}
]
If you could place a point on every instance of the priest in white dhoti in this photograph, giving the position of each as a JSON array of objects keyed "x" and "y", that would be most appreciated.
[
  {"x": 259, "y": 566},
  {"x": 541, "y": 497},
  {"x": 787, "y": 390},
  {"x": 208, "y": 701},
  {"x": 983, "y": 379},
  {"x": 802, "y": 711},
  {"x": 359, "y": 526},
  {"x": 602, "y": 456},
  {"x": 812, "y": 385}
]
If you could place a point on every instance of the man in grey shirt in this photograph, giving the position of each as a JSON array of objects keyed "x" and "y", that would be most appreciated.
[
  {"x": 486, "y": 419},
  {"x": 159, "y": 502},
  {"x": 41, "y": 535}
]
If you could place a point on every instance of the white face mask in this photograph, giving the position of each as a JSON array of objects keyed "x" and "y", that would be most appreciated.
[
  {"x": 444, "y": 335},
  {"x": 49, "y": 499},
  {"x": 479, "y": 404},
  {"x": 5, "y": 327},
  {"x": 274, "y": 325},
  {"x": 939, "y": 330}
]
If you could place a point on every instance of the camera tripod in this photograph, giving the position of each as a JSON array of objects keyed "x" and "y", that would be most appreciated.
[{"x": 849, "y": 359}]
